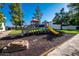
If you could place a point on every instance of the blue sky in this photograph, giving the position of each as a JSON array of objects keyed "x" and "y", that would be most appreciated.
[{"x": 48, "y": 10}]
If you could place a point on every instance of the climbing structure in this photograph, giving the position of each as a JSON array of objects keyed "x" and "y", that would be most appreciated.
[{"x": 41, "y": 29}]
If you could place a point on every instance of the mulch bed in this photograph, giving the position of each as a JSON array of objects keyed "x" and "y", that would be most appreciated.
[{"x": 38, "y": 44}]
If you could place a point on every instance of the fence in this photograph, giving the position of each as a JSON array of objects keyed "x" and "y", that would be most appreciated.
[{"x": 64, "y": 27}]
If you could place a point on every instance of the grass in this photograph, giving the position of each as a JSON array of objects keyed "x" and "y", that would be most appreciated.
[
  {"x": 15, "y": 32},
  {"x": 70, "y": 31}
]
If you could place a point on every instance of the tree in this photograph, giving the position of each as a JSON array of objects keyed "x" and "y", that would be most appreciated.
[
  {"x": 74, "y": 7},
  {"x": 56, "y": 19},
  {"x": 17, "y": 15},
  {"x": 37, "y": 14},
  {"x": 60, "y": 17},
  {"x": 2, "y": 17}
]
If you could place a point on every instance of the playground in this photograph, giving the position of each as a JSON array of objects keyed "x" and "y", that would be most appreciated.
[
  {"x": 36, "y": 38},
  {"x": 41, "y": 38}
]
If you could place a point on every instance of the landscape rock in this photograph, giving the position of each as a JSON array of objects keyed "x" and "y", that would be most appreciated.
[{"x": 16, "y": 46}]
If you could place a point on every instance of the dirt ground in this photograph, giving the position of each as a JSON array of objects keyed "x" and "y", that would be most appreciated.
[{"x": 38, "y": 44}]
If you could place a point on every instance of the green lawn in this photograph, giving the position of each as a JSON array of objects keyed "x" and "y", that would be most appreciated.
[
  {"x": 70, "y": 31},
  {"x": 15, "y": 32}
]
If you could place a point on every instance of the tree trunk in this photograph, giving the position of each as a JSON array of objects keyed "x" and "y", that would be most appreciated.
[
  {"x": 16, "y": 27},
  {"x": 22, "y": 28},
  {"x": 61, "y": 25}
]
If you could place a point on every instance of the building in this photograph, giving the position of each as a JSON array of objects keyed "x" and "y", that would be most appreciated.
[
  {"x": 45, "y": 22},
  {"x": 2, "y": 26}
]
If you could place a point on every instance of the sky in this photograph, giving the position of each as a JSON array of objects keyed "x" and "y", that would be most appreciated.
[{"x": 47, "y": 9}]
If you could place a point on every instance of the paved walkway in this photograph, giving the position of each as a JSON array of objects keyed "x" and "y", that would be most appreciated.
[
  {"x": 69, "y": 48},
  {"x": 4, "y": 34}
]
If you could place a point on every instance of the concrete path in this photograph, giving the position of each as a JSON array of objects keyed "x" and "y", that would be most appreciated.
[
  {"x": 4, "y": 34},
  {"x": 69, "y": 48}
]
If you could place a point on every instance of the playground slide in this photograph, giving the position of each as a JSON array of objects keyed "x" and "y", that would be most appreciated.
[{"x": 52, "y": 30}]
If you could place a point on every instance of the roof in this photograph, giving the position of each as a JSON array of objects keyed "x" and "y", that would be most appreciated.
[{"x": 35, "y": 20}]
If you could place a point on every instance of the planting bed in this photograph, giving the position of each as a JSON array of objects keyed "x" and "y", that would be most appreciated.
[{"x": 38, "y": 44}]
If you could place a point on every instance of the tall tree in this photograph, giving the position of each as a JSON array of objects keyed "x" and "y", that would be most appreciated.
[
  {"x": 37, "y": 14},
  {"x": 56, "y": 19},
  {"x": 62, "y": 18},
  {"x": 59, "y": 17},
  {"x": 17, "y": 15},
  {"x": 74, "y": 7}
]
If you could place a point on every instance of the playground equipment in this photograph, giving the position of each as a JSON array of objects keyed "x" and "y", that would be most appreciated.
[
  {"x": 52, "y": 30},
  {"x": 41, "y": 29}
]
